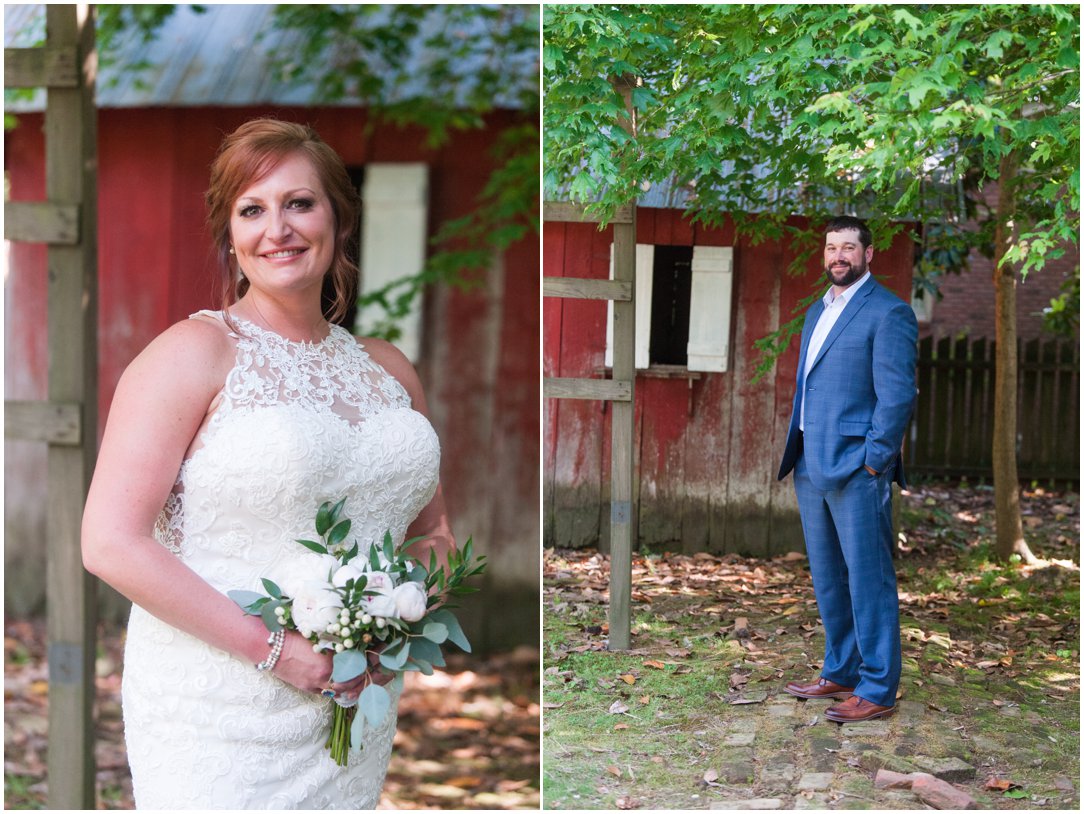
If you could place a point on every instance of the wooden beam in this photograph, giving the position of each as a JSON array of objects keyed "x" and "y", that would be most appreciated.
[
  {"x": 599, "y": 389},
  {"x": 584, "y": 289},
  {"x": 41, "y": 222},
  {"x": 48, "y": 67},
  {"x": 565, "y": 212},
  {"x": 71, "y": 149},
  {"x": 43, "y": 421}
]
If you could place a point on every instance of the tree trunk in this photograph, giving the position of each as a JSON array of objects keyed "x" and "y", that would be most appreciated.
[{"x": 1010, "y": 529}]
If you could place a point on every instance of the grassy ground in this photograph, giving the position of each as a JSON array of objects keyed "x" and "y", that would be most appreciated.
[{"x": 694, "y": 715}]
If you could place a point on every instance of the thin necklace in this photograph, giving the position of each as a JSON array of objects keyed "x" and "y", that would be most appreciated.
[{"x": 312, "y": 331}]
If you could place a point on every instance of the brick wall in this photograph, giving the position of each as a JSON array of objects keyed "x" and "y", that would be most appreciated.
[{"x": 967, "y": 306}]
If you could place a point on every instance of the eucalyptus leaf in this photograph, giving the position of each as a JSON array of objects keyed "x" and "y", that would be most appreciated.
[
  {"x": 395, "y": 660},
  {"x": 435, "y": 632},
  {"x": 348, "y": 665},
  {"x": 421, "y": 649},
  {"x": 245, "y": 599},
  {"x": 272, "y": 588},
  {"x": 455, "y": 632},
  {"x": 270, "y": 620},
  {"x": 374, "y": 703}
]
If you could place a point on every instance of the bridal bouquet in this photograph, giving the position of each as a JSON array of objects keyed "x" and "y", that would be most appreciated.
[{"x": 378, "y": 605}]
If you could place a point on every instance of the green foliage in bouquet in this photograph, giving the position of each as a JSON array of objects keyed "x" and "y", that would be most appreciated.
[{"x": 370, "y": 613}]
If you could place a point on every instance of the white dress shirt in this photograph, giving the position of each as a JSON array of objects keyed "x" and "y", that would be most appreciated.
[{"x": 833, "y": 307}]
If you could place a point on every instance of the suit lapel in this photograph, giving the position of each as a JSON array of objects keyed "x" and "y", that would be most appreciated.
[
  {"x": 811, "y": 317},
  {"x": 853, "y": 307}
]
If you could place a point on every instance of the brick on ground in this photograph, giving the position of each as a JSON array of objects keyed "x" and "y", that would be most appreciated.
[{"x": 941, "y": 795}]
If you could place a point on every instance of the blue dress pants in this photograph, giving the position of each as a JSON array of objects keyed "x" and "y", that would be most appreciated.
[{"x": 848, "y": 537}]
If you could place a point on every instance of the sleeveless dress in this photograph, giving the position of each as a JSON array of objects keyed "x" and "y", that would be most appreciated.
[{"x": 295, "y": 424}]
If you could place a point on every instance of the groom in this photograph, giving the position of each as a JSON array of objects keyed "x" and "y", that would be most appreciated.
[{"x": 855, "y": 393}]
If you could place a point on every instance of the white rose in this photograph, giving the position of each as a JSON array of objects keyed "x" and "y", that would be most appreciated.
[
  {"x": 315, "y": 607},
  {"x": 410, "y": 601},
  {"x": 345, "y": 574}
]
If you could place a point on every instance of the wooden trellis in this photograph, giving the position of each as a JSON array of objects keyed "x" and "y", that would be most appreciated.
[
  {"x": 68, "y": 421},
  {"x": 620, "y": 390}
]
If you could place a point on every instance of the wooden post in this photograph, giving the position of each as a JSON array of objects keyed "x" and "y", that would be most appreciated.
[
  {"x": 622, "y": 425},
  {"x": 67, "y": 67},
  {"x": 71, "y": 157},
  {"x": 623, "y": 419}
]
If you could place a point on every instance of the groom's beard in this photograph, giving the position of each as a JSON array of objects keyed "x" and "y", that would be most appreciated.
[{"x": 842, "y": 273}]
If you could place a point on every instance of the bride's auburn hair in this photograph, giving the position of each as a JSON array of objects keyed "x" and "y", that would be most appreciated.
[{"x": 248, "y": 154}]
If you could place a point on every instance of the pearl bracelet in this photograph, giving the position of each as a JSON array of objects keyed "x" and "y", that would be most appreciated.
[{"x": 276, "y": 640}]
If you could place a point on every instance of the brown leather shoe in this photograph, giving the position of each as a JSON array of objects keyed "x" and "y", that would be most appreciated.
[
  {"x": 856, "y": 709},
  {"x": 821, "y": 688}
]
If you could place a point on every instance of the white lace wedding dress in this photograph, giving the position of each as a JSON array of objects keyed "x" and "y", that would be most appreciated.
[{"x": 296, "y": 424}]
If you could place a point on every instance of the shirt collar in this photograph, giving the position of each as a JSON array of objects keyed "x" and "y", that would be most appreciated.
[{"x": 848, "y": 292}]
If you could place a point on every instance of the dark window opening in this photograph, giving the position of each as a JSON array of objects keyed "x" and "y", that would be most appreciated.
[{"x": 671, "y": 291}]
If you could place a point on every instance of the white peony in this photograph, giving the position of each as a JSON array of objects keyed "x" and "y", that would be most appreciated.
[
  {"x": 379, "y": 581},
  {"x": 410, "y": 601},
  {"x": 345, "y": 574},
  {"x": 309, "y": 567},
  {"x": 380, "y": 604},
  {"x": 315, "y": 606}
]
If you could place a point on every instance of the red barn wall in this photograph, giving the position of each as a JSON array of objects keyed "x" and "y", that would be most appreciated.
[
  {"x": 706, "y": 449},
  {"x": 155, "y": 268}
]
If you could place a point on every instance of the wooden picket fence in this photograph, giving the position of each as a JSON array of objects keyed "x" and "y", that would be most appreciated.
[{"x": 952, "y": 430}]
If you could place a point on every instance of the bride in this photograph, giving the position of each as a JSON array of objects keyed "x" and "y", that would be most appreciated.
[{"x": 224, "y": 437}]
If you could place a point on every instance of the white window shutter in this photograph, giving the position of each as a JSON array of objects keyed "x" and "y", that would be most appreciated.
[
  {"x": 393, "y": 241},
  {"x": 645, "y": 274},
  {"x": 710, "y": 306}
]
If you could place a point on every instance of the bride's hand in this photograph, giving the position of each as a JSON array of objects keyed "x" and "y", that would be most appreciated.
[
  {"x": 309, "y": 671},
  {"x": 301, "y": 667}
]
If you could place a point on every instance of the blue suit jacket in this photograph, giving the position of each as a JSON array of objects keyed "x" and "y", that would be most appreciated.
[{"x": 860, "y": 392}]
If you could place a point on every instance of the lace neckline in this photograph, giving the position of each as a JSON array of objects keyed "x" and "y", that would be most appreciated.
[{"x": 267, "y": 334}]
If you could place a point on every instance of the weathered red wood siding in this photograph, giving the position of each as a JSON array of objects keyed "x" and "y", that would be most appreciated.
[
  {"x": 707, "y": 449},
  {"x": 480, "y": 358}
]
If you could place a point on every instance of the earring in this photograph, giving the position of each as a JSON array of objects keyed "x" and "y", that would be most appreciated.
[{"x": 231, "y": 250}]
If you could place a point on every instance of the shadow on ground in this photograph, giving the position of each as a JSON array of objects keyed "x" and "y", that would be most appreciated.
[
  {"x": 693, "y": 716},
  {"x": 468, "y": 735}
]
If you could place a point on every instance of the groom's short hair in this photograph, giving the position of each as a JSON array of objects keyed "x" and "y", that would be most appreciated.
[{"x": 844, "y": 222}]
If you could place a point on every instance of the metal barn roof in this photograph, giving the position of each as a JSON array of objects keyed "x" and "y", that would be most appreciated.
[{"x": 225, "y": 57}]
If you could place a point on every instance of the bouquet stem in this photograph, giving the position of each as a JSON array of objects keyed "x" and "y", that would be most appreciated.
[{"x": 338, "y": 741}]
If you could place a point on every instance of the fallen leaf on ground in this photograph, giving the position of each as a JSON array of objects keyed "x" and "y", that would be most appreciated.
[
  {"x": 710, "y": 776},
  {"x": 627, "y": 803},
  {"x": 618, "y": 708},
  {"x": 628, "y": 678},
  {"x": 1000, "y": 784},
  {"x": 644, "y": 699},
  {"x": 751, "y": 698},
  {"x": 616, "y": 772},
  {"x": 618, "y": 727},
  {"x": 658, "y": 665}
]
